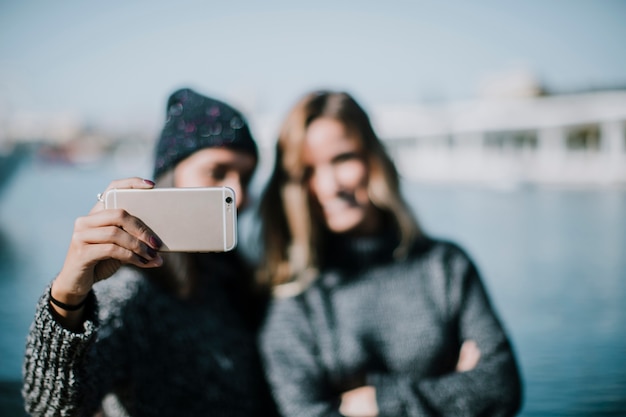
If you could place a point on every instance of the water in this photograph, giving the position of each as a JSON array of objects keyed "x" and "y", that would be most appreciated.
[{"x": 553, "y": 261}]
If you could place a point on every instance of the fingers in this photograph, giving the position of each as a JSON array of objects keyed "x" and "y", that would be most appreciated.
[
  {"x": 126, "y": 183},
  {"x": 103, "y": 241},
  {"x": 114, "y": 242},
  {"x": 468, "y": 356},
  {"x": 359, "y": 402},
  {"x": 118, "y": 235}
]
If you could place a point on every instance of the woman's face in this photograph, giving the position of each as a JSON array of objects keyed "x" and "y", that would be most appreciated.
[
  {"x": 337, "y": 177},
  {"x": 216, "y": 167}
]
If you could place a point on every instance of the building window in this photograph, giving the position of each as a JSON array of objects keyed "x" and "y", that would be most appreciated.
[
  {"x": 513, "y": 140},
  {"x": 584, "y": 138}
]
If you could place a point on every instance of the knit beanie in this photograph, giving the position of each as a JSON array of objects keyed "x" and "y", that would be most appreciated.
[{"x": 194, "y": 122}]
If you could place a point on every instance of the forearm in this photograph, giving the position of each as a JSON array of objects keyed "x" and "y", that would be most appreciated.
[
  {"x": 396, "y": 396},
  {"x": 53, "y": 362},
  {"x": 493, "y": 388}
]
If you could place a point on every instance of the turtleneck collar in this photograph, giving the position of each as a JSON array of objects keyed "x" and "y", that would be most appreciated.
[{"x": 359, "y": 252}]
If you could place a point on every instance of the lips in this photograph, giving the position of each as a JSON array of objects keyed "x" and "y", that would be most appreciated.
[{"x": 339, "y": 203}]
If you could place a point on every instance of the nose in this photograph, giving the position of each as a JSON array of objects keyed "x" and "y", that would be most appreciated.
[{"x": 324, "y": 182}]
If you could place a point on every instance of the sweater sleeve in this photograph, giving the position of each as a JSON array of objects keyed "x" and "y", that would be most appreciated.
[
  {"x": 291, "y": 360},
  {"x": 492, "y": 388},
  {"x": 54, "y": 361}
]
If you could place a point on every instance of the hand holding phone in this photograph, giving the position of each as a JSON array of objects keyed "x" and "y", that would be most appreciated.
[{"x": 202, "y": 219}]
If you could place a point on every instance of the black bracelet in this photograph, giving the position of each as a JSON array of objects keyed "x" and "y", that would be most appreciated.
[{"x": 64, "y": 306}]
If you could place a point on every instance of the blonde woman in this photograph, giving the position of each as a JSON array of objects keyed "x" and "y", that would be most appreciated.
[{"x": 370, "y": 316}]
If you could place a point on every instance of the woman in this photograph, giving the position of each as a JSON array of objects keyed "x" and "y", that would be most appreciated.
[
  {"x": 371, "y": 317},
  {"x": 126, "y": 330}
]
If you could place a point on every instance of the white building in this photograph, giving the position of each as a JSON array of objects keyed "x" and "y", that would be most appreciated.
[{"x": 576, "y": 139}]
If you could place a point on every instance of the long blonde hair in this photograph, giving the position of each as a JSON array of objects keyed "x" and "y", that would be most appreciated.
[{"x": 290, "y": 233}]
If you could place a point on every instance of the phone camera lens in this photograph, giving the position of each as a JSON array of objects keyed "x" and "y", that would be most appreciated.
[{"x": 229, "y": 200}]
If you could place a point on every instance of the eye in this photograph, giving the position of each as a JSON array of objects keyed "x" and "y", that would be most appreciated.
[{"x": 217, "y": 173}]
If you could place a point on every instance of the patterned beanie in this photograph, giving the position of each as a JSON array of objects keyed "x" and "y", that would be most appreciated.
[{"x": 195, "y": 122}]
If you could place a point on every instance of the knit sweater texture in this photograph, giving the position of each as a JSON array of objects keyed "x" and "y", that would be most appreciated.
[
  {"x": 144, "y": 352},
  {"x": 395, "y": 325}
]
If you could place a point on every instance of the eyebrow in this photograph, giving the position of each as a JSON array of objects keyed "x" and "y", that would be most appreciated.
[{"x": 345, "y": 155}]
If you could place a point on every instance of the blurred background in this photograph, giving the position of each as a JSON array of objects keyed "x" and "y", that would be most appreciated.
[{"x": 507, "y": 121}]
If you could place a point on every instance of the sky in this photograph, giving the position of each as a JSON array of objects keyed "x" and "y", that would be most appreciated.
[{"x": 115, "y": 62}]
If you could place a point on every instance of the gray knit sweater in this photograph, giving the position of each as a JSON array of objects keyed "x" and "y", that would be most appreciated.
[
  {"x": 144, "y": 352},
  {"x": 395, "y": 325}
]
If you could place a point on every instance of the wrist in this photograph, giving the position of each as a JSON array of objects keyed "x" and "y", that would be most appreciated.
[
  {"x": 65, "y": 300},
  {"x": 65, "y": 306}
]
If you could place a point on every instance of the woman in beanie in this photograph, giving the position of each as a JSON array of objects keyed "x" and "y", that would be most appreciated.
[
  {"x": 159, "y": 334},
  {"x": 371, "y": 316}
]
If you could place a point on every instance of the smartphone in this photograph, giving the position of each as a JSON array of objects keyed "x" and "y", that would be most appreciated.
[{"x": 202, "y": 219}]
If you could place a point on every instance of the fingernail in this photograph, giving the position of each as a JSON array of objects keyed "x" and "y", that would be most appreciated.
[
  {"x": 142, "y": 259},
  {"x": 155, "y": 242},
  {"x": 149, "y": 182},
  {"x": 151, "y": 252}
]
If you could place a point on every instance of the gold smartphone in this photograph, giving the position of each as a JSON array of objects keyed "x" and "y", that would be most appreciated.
[{"x": 202, "y": 219}]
